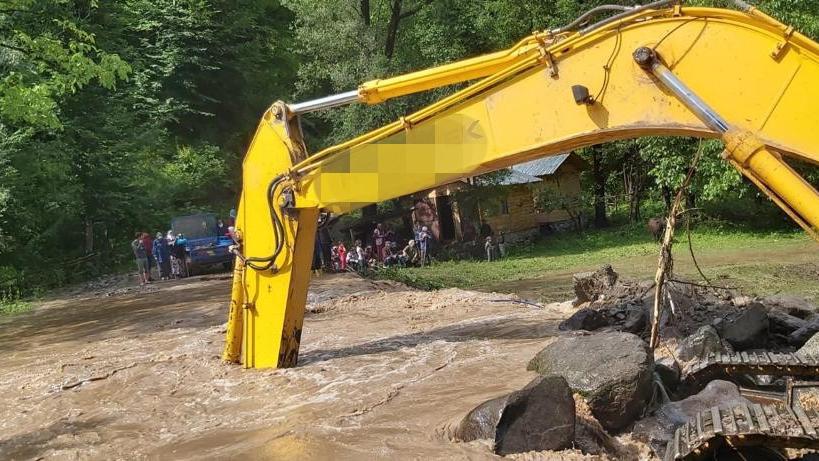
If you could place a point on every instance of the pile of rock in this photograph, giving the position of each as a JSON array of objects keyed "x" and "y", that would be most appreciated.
[
  {"x": 600, "y": 377},
  {"x": 611, "y": 371},
  {"x": 610, "y": 304}
]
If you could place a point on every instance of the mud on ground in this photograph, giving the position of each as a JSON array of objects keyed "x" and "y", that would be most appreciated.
[{"x": 385, "y": 373}]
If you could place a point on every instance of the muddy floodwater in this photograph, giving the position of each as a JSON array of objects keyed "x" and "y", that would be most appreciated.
[{"x": 385, "y": 373}]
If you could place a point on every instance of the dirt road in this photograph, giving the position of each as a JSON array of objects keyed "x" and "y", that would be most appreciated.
[{"x": 385, "y": 372}]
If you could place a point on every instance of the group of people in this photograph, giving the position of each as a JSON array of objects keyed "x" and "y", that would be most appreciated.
[
  {"x": 382, "y": 251},
  {"x": 165, "y": 252}
]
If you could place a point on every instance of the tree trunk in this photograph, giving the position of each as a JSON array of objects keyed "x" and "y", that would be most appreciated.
[
  {"x": 392, "y": 29},
  {"x": 666, "y": 197},
  {"x": 634, "y": 206},
  {"x": 690, "y": 200},
  {"x": 365, "y": 12},
  {"x": 600, "y": 219},
  {"x": 89, "y": 236}
]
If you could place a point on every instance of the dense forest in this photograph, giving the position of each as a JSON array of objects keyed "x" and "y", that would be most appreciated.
[{"x": 116, "y": 115}]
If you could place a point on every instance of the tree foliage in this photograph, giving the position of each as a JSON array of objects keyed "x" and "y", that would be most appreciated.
[{"x": 114, "y": 116}]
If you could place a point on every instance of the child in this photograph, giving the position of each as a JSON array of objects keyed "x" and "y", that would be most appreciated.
[
  {"x": 334, "y": 258},
  {"x": 360, "y": 256},
  {"x": 390, "y": 254},
  {"x": 490, "y": 249},
  {"x": 342, "y": 256}
]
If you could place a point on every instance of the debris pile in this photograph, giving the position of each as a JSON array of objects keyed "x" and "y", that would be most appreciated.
[{"x": 620, "y": 387}]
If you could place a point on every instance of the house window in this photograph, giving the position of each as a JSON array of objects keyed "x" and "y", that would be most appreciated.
[{"x": 504, "y": 206}]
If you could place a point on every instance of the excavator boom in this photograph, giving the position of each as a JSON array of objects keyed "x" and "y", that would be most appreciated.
[{"x": 656, "y": 70}]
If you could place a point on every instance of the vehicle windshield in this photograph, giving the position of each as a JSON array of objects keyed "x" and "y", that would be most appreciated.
[{"x": 196, "y": 226}]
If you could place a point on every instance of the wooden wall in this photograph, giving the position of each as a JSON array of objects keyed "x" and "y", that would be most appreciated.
[{"x": 522, "y": 214}]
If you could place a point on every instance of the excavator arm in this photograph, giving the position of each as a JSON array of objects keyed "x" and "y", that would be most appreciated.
[{"x": 660, "y": 69}]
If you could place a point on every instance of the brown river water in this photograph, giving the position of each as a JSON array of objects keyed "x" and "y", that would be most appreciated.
[{"x": 385, "y": 373}]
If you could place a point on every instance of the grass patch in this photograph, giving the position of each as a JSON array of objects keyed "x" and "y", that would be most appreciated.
[
  {"x": 628, "y": 248},
  {"x": 10, "y": 306}
]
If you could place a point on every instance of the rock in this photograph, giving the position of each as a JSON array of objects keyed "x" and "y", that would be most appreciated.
[
  {"x": 669, "y": 372},
  {"x": 541, "y": 416},
  {"x": 636, "y": 320},
  {"x": 811, "y": 347},
  {"x": 613, "y": 371},
  {"x": 584, "y": 319},
  {"x": 702, "y": 342},
  {"x": 804, "y": 333},
  {"x": 659, "y": 429},
  {"x": 747, "y": 328},
  {"x": 741, "y": 301},
  {"x": 482, "y": 421},
  {"x": 793, "y": 305},
  {"x": 783, "y": 323},
  {"x": 589, "y": 435},
  {"x": 588, "y": 286}
]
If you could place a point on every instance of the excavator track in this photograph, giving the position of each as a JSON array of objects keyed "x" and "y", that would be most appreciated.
[
  {"x": 718, "y": 365},
  {"x": 772, "y": 426}
]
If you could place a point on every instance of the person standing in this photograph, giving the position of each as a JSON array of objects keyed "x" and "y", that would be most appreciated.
[
  {"x": 359, "y": 255},
  {"x": 342, "y": 256},
  {"x": 378, "y": 241},
  {"x": 162, "y": 256},
  {"x": 148, "y": 243},
  {"x": 489, "y": 247},
  {"x": 179, "y": 252},
  {"x": 423, "y": 244},
  {"x": 416, "y": 234},
  {"x": 141, "y": 257},
  {"x": 502, "y": 245}
]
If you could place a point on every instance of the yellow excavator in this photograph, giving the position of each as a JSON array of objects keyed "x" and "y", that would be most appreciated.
[{"x": 658, "y": 69}]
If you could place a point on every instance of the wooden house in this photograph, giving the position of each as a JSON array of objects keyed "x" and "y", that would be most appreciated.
[{"x": 510, "y": 209}]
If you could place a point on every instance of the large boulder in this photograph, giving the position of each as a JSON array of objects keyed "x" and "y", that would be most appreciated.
[
  {"x": 784, "y": 324},
  {"x": 657, "y": 430},
  {"x": 636, "y": 319},
  {"x": 699, "y": 344},
  {"x": 746, "y": 329},
  {"x": 588, "y": 286},
  {"x": 612, "y": 371},
  {"x": 669, "y": 372},
  {"x": 793, "y": 305},
  {"x": 589, "y": 435},
  {"x": 805, "y": 332},
  {"x": 811, "y": 347},
  {"x": 541, "y": 416},
  {"x": 585, "y": 319}
]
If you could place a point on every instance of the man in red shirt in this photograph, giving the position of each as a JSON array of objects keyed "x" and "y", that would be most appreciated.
[{"x": 148, "y": 243}]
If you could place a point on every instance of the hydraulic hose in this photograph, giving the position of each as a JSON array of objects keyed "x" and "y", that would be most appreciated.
[{"x": 278, "y": 230}]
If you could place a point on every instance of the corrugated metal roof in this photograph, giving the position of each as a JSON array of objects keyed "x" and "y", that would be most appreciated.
[
  {"x": 516, "y": 177},
  {"x": 542, "y": 166}
]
